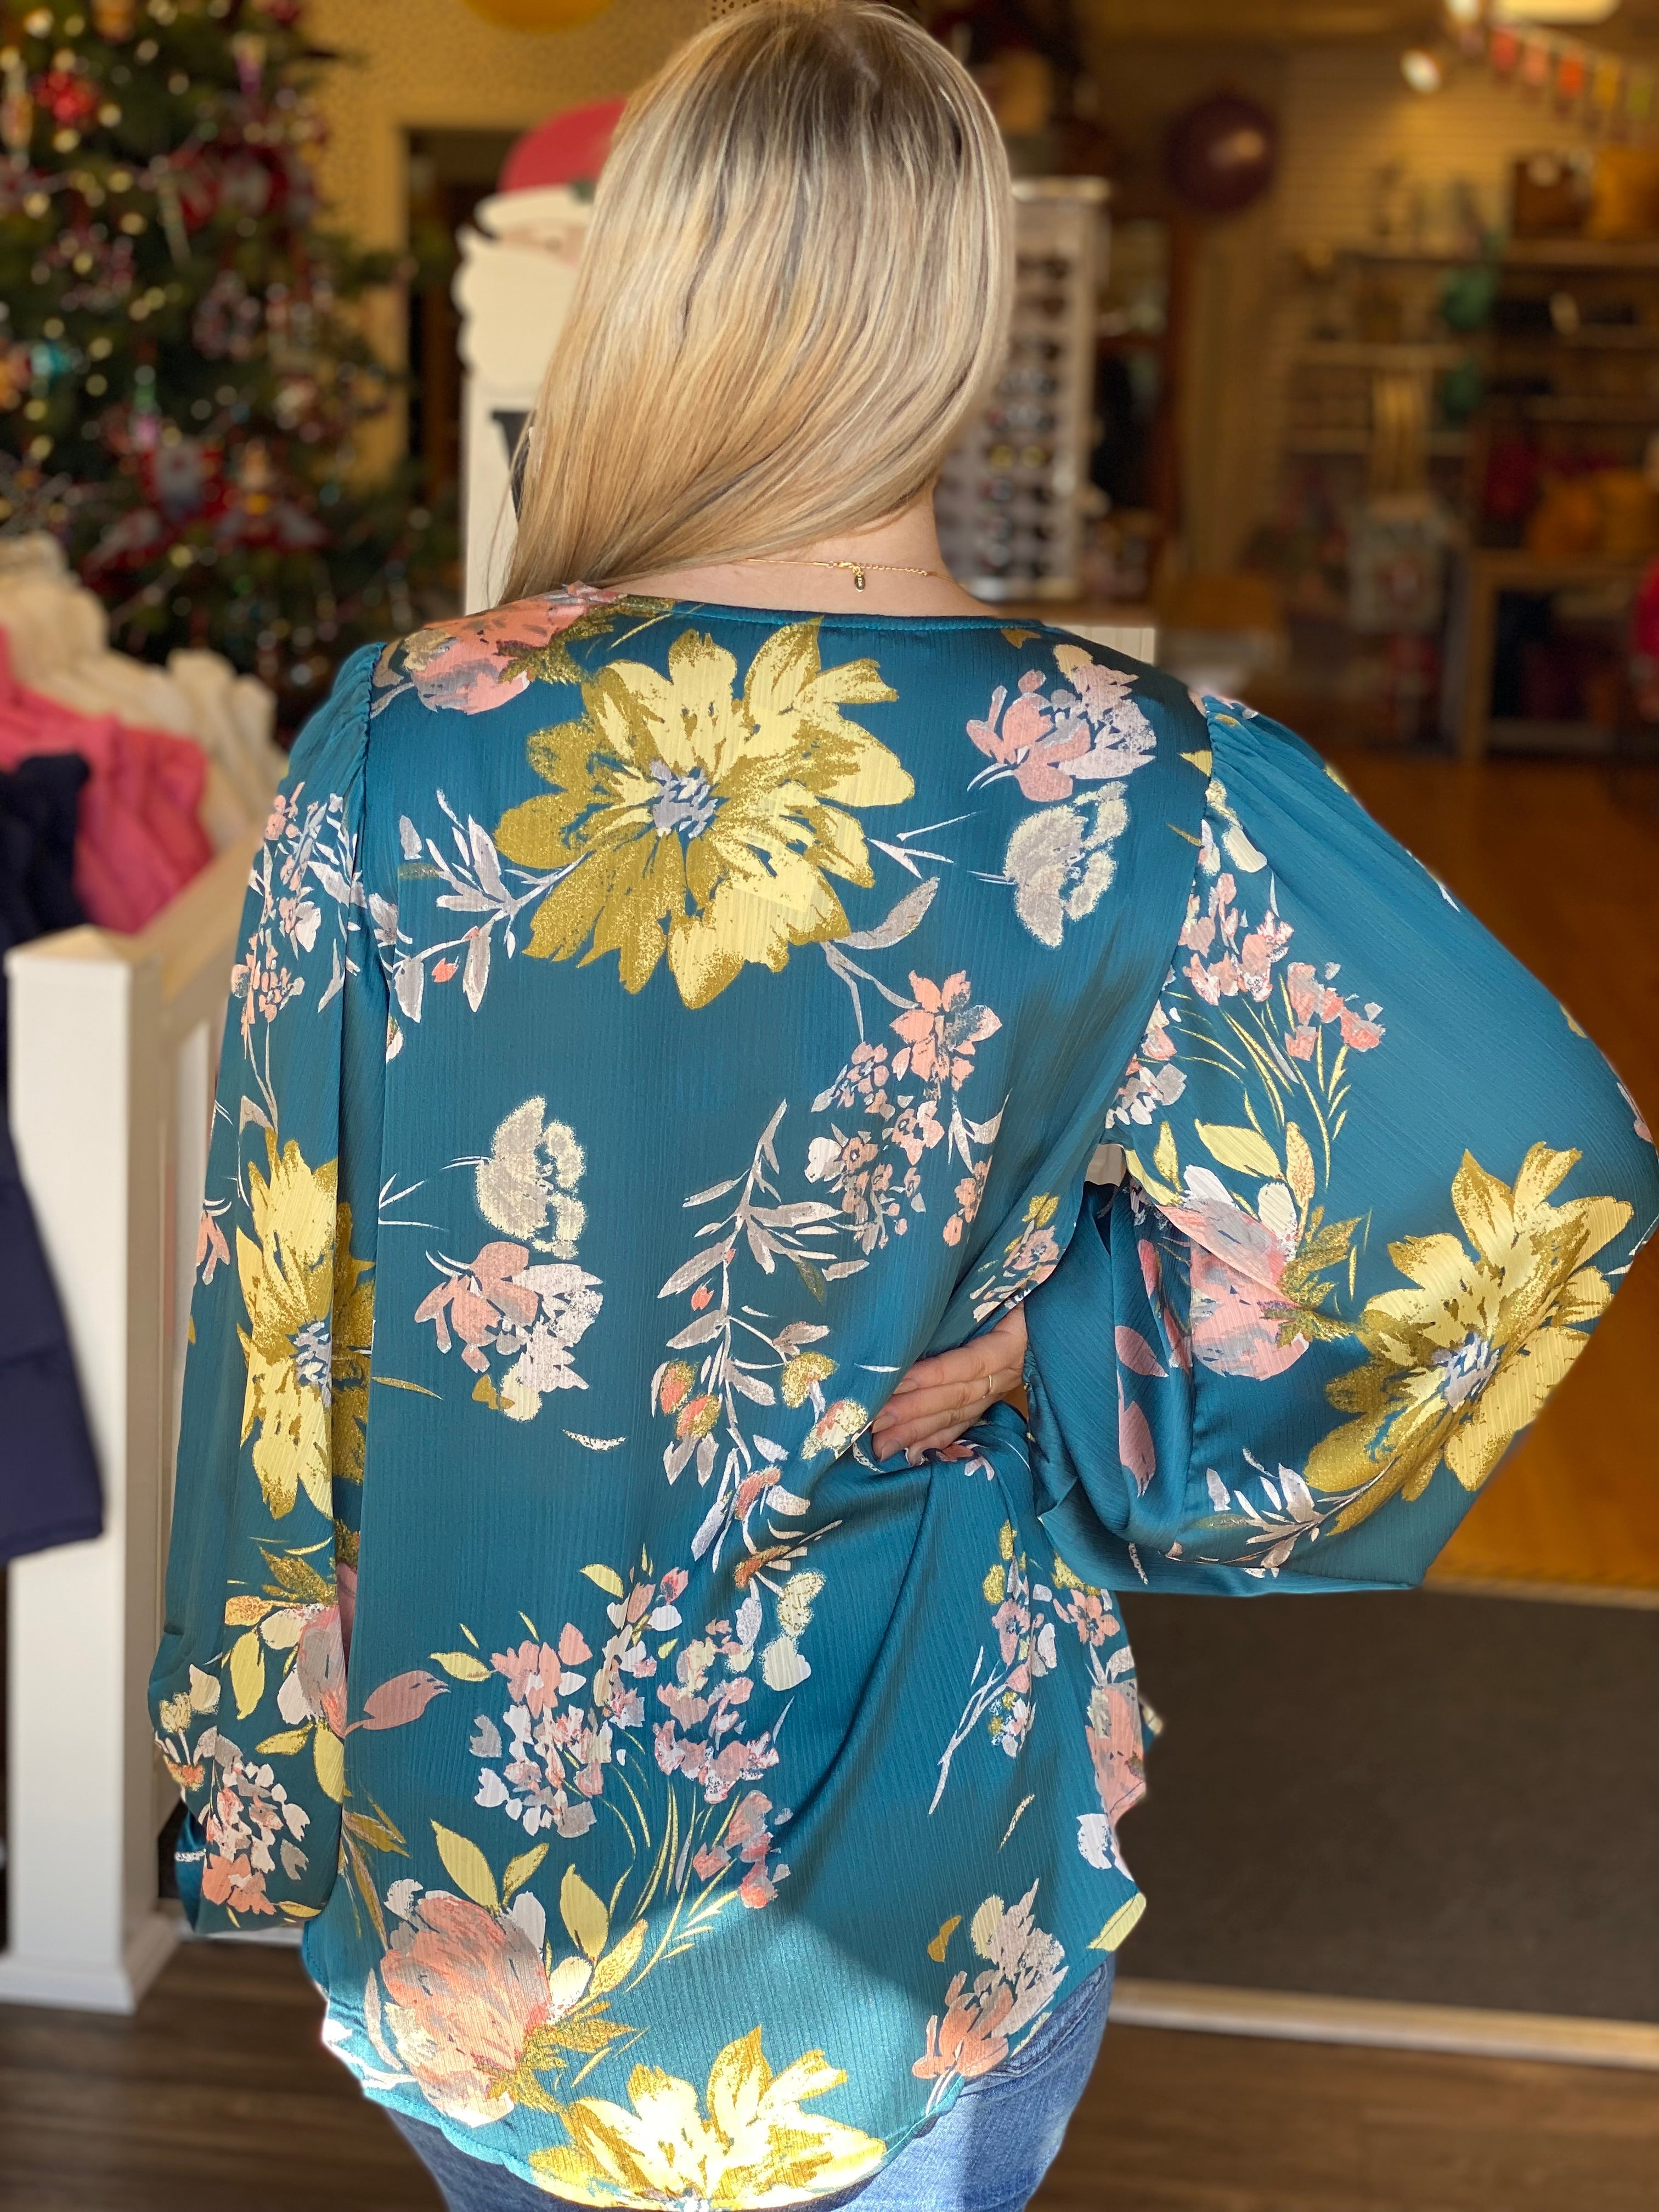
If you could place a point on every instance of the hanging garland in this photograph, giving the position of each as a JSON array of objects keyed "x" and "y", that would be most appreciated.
[{"x": 1604, "y": 92}]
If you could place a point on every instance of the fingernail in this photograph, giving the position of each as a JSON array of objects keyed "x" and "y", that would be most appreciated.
[{"x": 914, "y": 1456}]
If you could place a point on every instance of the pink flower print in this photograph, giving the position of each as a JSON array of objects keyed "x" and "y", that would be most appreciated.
[
  {"x": 969, "y": 1194},
  {"x": 465, "y": 1992},
  {"x": 941, "y": 1030},
  {"x": 739, "y": 1762},
  {"x": 283, "y": 808},
  {"x": 1361, "y": 1036},
  {"x": 1151, "y": 1274},
  {"x": 1236, "y": 1323},
  {"x": 1239, "y": 1263},
  {"x": 477, "y": 1300},
  {"x": 968, "y": 2041},
  {"x": 317, "y": 1679},
  {"x": 917, "y": 1129},
  {"x": 345, "y": 1580},
  {"x": 1264, "y": 945},
  {"x": 532, "y": 1675},
  {"x": 1011, "y": 1621},
  {"x": 747, "y": 1835},
  {"x": 1135, "y": 1447},
  {"x": 1025, "y": 722},
  {"x": 1197, "y": 931},
  {"x": 1310, "y": 1001},
  {"x": 1091, "y": 1616},
  {"x": 1031, "y": 746},
  {"x": 1157, "y": 1044},
  {"x": 211, "y": 1250},
  {"x": 234, "y": 1883},
  {"x": 464, "y": 664},
  {"x": 1313, "y": 1001},
  {"x": 1036, "y": 1254},
  {"x": 1116, "y": 1747}
]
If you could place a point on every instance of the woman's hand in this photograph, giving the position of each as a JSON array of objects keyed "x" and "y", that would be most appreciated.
[{"x": 941, "y": 1397}]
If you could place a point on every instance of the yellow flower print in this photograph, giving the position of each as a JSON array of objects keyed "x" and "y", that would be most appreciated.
[
  {"x": 801, "y": 1372},
  {"x": 1463, "y": 1361},
  {"x": 306, "y": 1395},
  {"x": 756, "y": 2146},
  {"x": 689, "y": 818},
  {"x": 353, "y": 1343}
]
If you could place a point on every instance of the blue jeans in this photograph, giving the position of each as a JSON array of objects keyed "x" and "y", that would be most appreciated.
[{"x": 987, "y": 2154}]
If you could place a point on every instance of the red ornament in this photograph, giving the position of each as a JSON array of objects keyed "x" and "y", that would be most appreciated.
[
  {"x": 194, "y": 178},
  {"x": 1570, "y": 78},
  {"x": 1502, "y": 51},
  {"x": 67, "y": 97}
]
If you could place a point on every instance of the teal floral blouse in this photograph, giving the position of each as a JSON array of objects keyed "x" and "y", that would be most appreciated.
[{"x": 657, "y": 1025}]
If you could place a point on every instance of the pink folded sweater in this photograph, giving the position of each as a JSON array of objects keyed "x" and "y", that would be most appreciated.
[{"x": 138, "y": 841}]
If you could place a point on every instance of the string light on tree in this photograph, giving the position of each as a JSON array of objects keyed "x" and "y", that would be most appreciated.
[{"x": 182, "y": 382}]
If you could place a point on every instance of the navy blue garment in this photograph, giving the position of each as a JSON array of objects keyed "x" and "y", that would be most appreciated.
[{"x": 49, "y": 1490}]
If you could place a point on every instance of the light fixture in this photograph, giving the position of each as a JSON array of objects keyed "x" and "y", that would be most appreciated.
[
  {"x": 1463, "y": 13},
  {"x": 1421, "y": 69},
  {"x": 1561, "y": 13}
]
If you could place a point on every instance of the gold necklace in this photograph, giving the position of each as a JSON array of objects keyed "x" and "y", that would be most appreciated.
[{"x": 858, "y": 568}]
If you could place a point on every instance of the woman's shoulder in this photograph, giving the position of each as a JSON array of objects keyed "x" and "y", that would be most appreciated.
[
  {"x": 477, "y": 662},
  {"x": 1101, "y": 673}
]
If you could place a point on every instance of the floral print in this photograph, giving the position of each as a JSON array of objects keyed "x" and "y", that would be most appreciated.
[
  {"x": 475, "y": 2003},
  {"x": 1087, "y": 730},
  {"x": 481, "y": 661},
  {"x": 530, "y": 1316},
  {"x": 940, "y": 1032},
  {"x": 754, "y": 2143},
  {"x": 623, "y": 1087},
  {"x": 1007, "y": 1998},
  {"x": 1462, "y": 1360},
  {"x": 305, "y": 1396},
  {"x": 1030, "y": 1257},
  {"x": 691, "y": 820}
]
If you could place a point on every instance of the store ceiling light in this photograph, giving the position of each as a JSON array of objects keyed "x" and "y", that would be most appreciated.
[
  {"x": 1560, "y": 14},
  {"x": 1421, "y": 69}
]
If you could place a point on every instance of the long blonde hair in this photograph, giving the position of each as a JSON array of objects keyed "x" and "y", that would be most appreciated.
[{"x": 795, "y": 290}]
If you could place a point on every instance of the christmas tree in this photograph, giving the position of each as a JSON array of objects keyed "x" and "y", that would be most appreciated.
[{"x": 182, "y": 378}]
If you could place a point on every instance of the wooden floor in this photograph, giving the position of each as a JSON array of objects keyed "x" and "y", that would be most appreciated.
[
  {"x": 1560, "y": 860},
  {"x": 219, "y": 2094}
]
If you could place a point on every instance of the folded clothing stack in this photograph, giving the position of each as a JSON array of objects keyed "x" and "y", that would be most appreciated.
[
  {"x": 140, "y": 840},
  {"x": 186, "y": 753}
]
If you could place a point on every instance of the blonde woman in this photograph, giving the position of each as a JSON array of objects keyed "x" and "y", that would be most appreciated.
[{"x": 691, "y": 1734}]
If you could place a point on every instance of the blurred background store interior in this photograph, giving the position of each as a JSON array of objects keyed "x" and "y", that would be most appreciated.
[{"x": 1333, "y": 386}]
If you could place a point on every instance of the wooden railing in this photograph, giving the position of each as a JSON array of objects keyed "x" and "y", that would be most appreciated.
[{"x": 114, "y": 1051}]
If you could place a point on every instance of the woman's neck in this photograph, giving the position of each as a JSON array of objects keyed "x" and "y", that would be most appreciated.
[{"x": 823, "y": 578}]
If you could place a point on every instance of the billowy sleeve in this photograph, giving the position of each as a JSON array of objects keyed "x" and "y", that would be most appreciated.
[
  {"x": 249, "y": 1691},
  {"x": 1364, "y": 1193}
]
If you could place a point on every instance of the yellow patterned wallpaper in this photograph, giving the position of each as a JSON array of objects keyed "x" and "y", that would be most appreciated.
[{"x": 437, "y": 65}]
